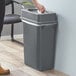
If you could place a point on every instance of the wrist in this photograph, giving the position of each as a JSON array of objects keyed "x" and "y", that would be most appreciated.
[{"x": 35, "y": 2}]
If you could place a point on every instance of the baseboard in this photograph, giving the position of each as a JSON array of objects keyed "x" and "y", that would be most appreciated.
[{"x": 9, "y": 37}]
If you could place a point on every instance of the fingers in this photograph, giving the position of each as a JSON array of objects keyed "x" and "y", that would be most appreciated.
[{"x": 41, "y": 8}]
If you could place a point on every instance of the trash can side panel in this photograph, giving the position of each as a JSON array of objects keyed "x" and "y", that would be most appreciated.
[
  {"x": 30, "y": 45},
  {"x": 47, "y": 50}
]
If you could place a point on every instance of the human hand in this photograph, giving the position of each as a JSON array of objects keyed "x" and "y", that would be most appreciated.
[{"x": 40, "y": 7}]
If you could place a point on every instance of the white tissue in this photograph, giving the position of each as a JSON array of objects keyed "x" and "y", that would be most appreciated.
[{"x": 39, "y": 12}]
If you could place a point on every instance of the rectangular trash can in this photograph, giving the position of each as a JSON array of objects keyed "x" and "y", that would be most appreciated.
[{"x": 39, "y": 38}]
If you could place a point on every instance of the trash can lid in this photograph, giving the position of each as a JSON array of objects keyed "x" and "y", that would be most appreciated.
[{"x": 33, "y": 15}]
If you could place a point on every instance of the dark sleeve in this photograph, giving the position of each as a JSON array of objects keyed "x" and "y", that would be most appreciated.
[{"x": 2, "y": 11}]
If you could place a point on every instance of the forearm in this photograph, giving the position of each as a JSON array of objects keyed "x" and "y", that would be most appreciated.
[{"x": 35, "y": 2}]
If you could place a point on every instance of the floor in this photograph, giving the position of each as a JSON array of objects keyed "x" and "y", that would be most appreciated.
[{"x": 12, "y": 57}]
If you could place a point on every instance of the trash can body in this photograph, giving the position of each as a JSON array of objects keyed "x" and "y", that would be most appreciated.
[{"x": 39, "y": 43}]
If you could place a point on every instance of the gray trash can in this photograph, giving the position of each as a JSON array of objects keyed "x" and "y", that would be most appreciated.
[{"x": 39, "y": 38}]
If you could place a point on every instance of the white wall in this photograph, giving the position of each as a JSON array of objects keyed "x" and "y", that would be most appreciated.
[{"x": 66, "y": 37}]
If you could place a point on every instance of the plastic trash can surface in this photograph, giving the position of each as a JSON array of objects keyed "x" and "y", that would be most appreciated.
[{"x": 39, "y": 39}]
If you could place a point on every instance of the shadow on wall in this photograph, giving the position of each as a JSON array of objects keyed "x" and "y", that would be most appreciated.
[{"x": 61, "y": 47}]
